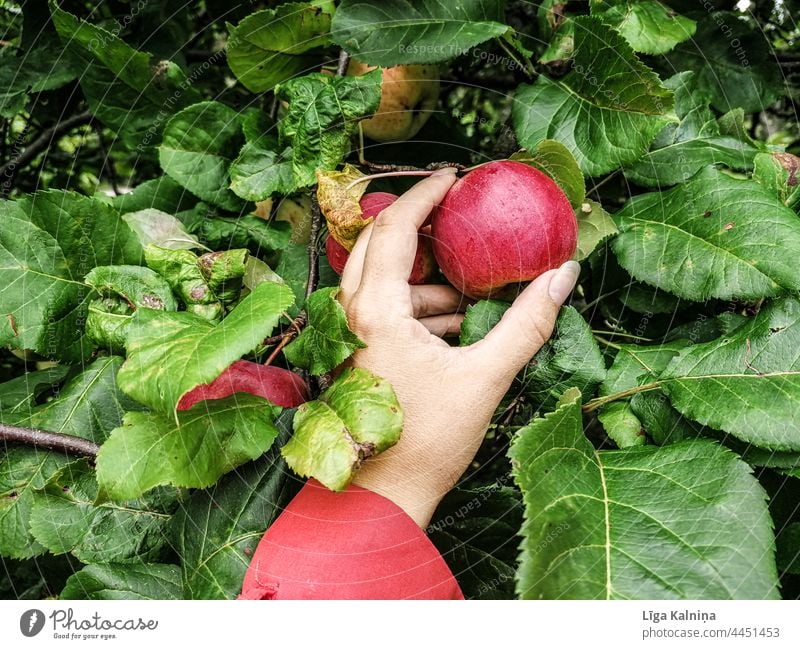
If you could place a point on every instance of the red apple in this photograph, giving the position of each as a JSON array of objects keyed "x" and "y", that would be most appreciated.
[
  {"x": 371, "y": 205},
  {"x": 281, "y": 387},
  {"x": 502, "y": 223}
]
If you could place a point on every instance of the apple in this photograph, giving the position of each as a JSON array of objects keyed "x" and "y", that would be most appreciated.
[
  {"x": 372, "y": 205},
  {"x": 280, "y": 386},
  {"x": 409, "y": 94},
  {"x": 502, "y": 223}
]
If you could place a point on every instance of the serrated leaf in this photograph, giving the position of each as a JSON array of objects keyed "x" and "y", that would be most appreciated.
[
  {"x": 422, "y": 31},
  {"x": 733, "y": 60},
  {"x": 125, "y": 89},
  {"x": 621, "y": 424},
  {"x": 65, "y": 519},
  {"x": 606, "y": 114},
  {"x": 637, "y": 364},
  {"x": 595, "y": 225},
  {"x": 193, "y": 449},
  {"x": 198, "y": 146},
  {"x": 161, "y": 229},
  {"x": 681, "y": 149},
  {"x": 315, "y": 134},
  {"x": 571, "y": 358},
  {"x": 48, "y": 243},
  {"x": 170, "y": 353},
  {"x": 273, "y": 45},
  {"x": 479, "y": 319},
  {"x": 326, "y": 342},
  {"x": 151, "y": 581},
  {"x": 554, "y": 159},
  {"x": 649, "y": 27},
  {"x": 684, "y": 521},
  {"x": 217, "y": 531},
  {"x": 356, "y": 418},
  {"x": 747, "y": 383},
  {"x": 252, "y": 232},
  {"x": 19, "y": 395},
  {"x": 88, "y": 406},
  {"x": 475, "y": 530},
  {"x": 714, "y": 236},
  {"x": 162, "y": 194}
]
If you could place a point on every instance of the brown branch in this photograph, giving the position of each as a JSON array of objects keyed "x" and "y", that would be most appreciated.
[
  {"x": 41, "y": 143},
  {"x": 313, "y": 251},
  {"x": 47, "y": 439},
  {"x": 295, "y": 327},
  {"x": 344, "y": 61}
]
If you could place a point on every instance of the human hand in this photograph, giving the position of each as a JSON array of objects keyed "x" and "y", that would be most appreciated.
[{"x": 448, "y": 394}]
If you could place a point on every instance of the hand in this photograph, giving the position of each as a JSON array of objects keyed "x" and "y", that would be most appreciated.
[{"x": 448, "y": 394}]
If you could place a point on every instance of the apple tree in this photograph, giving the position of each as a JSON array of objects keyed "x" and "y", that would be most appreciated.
[{"x": 175, "y": 177}]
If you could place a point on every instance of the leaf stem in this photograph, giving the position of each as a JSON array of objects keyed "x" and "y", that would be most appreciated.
[
  {"x": 599, "y": 402},
  {"x": 621, "y": 334},
  {"x": 48, "y": 439}
]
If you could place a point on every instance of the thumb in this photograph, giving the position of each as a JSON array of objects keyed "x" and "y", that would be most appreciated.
[{"x": 526, "y": 325}]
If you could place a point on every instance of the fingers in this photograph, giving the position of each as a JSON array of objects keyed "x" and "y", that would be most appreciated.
[
  {"x": 526, "y": 326},
  {"x": 436, "y": 299},
  {"x": 353, "y": 269},
  {"x": 393, "y": 241},
  {"x": 443, "y": 325}
]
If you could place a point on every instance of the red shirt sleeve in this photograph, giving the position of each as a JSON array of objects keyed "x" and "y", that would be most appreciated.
[{"x": 350, "y": 545}]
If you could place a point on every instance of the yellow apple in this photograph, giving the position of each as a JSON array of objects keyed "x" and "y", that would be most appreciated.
[{"x": 408, "y": 97}]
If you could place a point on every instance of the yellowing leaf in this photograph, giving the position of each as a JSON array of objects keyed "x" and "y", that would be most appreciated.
[{"x": 338, "y": 200}]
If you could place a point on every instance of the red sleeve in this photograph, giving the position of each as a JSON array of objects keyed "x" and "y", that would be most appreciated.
[{"x": 350, "y": 545}]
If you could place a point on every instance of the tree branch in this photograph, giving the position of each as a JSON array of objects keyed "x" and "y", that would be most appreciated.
[
  {"x": 47, "y": 439},
  {"x": 344, "y": 61},
  {"x": 41, "y": 143}
]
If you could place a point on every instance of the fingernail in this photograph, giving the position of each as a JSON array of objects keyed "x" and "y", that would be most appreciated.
[
  {"x": 444, "y": 171},
  {"x": 564, "y": 281}
]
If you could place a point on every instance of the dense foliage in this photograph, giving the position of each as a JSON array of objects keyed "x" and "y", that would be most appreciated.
[{"x": 650, "y": 450}]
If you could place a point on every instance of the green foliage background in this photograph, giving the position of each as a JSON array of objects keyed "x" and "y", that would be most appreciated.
[{"x": 649, "y": 450}]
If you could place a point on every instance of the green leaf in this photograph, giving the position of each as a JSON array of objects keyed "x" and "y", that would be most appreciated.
[
  {"x": 21, "y": 393},
  {"x": 65, "y": 519},
  {"x": 315, "y": 134},
  {"x": 649, "y": 27},
  {"x": 48, "y": 242},
  {"x": 162, "y": 194},
  {"x": 22, "y": 471},
  {"x": 571, "y": 358},
  {"x": 155, "y": 227},
  {"x": 594, "y": 227},
  {"x": 662, "y": 423},
  {"x": 89, "y": 406},
  {"x": 747, "y": 383},
  {"x": 637, "y": 364},
  {"x": 714, "y": 236},
  {"x": 198, "y": 146},
  {"x": 250, "y": 232},
  {"x": 419, "y": 31},
  {"x": 115, "y": 581},
  {"x": 273, "y": 45},
  {"x": 554, "y": 159},
  {"x": 606, "y": 111},
  {"x": 356, "y": 418},
  {"x": 217, "y": 531},
  {"x": 326, "y": 342},
  {"x": 733, "y": 60},
  {"x": 125, "y": 89},
  {"x": 192, "y": 450},
  {"x": 123, "y": 289},
  {"x": 479, "y": 320},
  {"x": 170, "y": 353},
  {"x": 621, "y": 424},
  {"x": 681, "y": 149},
  {"x": 778, "y": 171},
  {"x": 475, "y": 530},
  {"x": 684, "y": 521}
]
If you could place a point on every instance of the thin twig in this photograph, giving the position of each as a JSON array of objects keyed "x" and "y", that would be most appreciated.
[
  {"x": 45, "y": 139},
  {"x": 50, "y": 440},
  {"x": 313, "y": 252},
  {"x": 599, "y": 402}
]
